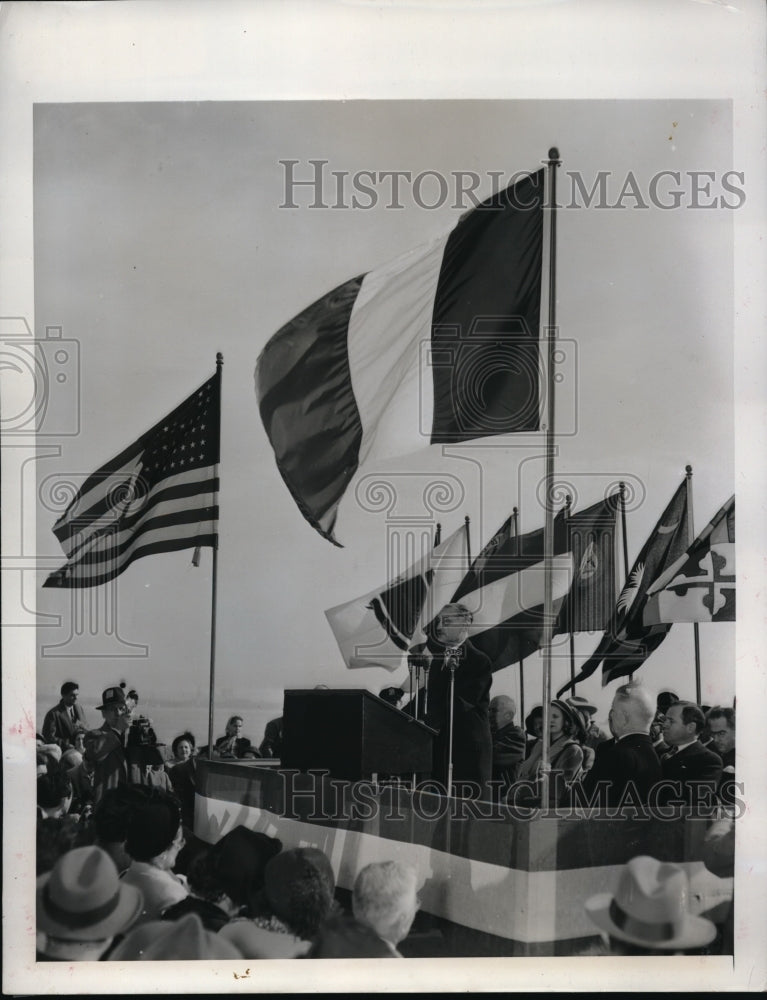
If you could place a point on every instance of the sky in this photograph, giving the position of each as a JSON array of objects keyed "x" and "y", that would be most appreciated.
[{"x": 162, "y": 236}]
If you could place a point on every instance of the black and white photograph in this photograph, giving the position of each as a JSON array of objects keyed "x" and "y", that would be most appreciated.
[{"x": 378, "y": 384}]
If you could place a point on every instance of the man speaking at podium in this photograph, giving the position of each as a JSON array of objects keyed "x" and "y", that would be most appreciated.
[{"x": 448, "y": 650}]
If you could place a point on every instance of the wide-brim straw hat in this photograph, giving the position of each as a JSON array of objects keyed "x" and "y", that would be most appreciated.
[
  {"x": 83, "y": 899},
  {"x": 651, "y": 908}
]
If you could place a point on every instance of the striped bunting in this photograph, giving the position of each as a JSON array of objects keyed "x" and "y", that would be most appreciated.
[
  {"x": 158, "y": 495},
  {"x": 438, "y": 346}
]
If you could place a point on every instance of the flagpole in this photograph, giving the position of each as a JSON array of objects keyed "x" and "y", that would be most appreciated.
[
  {"x": 548, "y": 530},
  {"x": 214, "y": 587},
  {"x": 515, "y": 520},
  {"x": 467, "y": 521},
  {"x": 568, "y": 505},
  {"x": 690, "y": 540},
  {"x": 624, "y": 536}
]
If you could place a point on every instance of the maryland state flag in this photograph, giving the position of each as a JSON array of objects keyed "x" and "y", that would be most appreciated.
[
  {"x": 627, "y": 641},
  {"x": 700, "y": 585}
]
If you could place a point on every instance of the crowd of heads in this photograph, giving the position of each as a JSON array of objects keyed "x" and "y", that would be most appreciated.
[{"x": 121, "y": 875}]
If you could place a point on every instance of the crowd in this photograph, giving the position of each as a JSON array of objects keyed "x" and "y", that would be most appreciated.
[{"x": 122, "y": 876}]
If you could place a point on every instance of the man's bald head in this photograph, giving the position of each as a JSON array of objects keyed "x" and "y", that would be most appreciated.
[
  {"x": 632, "y": 711},
  {"x": 502, "y": 711}
]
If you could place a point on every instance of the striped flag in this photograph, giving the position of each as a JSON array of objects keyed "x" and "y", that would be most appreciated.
[
  {"x": 505, "y": 591},
  {"x": 377, "y": 629},
  {"x": 159, "y": 495},
  {"x": 700, "y": 585},
  {"x": 438, "y": 346}
]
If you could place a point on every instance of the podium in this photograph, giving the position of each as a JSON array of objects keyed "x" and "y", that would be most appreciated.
[{"x": 353, "y": 734}]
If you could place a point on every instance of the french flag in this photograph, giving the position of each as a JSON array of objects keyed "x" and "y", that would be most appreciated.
[{"x": 439, "y": 346}]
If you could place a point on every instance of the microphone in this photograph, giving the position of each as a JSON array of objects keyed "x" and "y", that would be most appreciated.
[{"x": 452, "y": 656}]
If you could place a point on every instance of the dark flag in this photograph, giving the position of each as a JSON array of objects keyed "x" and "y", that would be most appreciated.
[
  {"x": 159, "y": 495},
  {"x": 591, "y": 539},
  {"x": 438, "y": 346},
  {"x": 627, "y": 642}
]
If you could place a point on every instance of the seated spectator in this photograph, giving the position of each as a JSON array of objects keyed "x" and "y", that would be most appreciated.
[
  {"x": 48, "y": 757},
  {"x": 110, "y": 821},
  {"x": 271, "y": 745},
  {"x": 148, "y": 767},
  {"x": 566, "y": 729},
  {"x": 342, "y": 936},
  {"x": 54, "y": 794},
  {"x": 182, "y": 748},
  {"x": 594, "y": 734},
  {"x": 533, "y": 727},
  {"x": 82, "y": 906},
  {"x": 239, "y": 860},
  {"x": 508, "y": 740},
  {"x": 207, "y": 896},
  {"x": 154, "y": 839},
  {"x": 81, "y": 777},
  {"x": 232, "y": 744},
  {"x": 177, "y": 940},
  {"x": 65, "y": 719},
  {"x": 56, "y": 836},
  {"x": 694, "y": 767},
  {"x": 625, "y": 769},
  {"x": 298, "y": 896},
  {"x": 385, "y": 899},
  {"x": 649, "y": 913},
  {"x": 656, "y": 735},
  {"x": 721, "y": 725}
]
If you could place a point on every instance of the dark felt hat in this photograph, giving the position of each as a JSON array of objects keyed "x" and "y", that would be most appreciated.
[
  {"x": 113, "y": 697},
  {"x": 239, "y": 859}
]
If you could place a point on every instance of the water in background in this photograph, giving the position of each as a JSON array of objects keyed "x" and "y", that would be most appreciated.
[{"x": 171, "y": 718}]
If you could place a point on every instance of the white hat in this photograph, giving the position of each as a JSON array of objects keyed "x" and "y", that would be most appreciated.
[{"x": 651, "y": 908}]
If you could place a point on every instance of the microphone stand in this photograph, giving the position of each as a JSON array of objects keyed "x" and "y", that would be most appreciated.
[{"x": 452, "y": 657}]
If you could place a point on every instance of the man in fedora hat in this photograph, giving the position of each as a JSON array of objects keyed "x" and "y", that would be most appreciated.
[
  {"x": 649, "y": 914},
  {"x": 105, "y": 746},
  {"x": 81, "y": 906}
]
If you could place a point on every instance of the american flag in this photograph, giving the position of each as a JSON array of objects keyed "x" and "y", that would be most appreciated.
[{"x": 159, "y": 495}]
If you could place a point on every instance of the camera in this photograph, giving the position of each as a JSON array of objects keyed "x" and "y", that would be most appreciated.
[{"x": 141, "y": 733}]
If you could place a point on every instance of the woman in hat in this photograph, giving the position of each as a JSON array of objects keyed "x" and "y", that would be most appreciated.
[
  {"x": 566, "y": 731},
  {"x": 154, "y": 839},
  {"x": 82, "y": 906}
]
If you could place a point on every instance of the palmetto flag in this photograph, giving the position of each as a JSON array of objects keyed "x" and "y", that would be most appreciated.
[
  {"x": 377, "y": 629},
  {"x": 627, "y": 641},
  {"x": 158, "y": 495},
  {"x": 700, "y": 585},
  {"x": 438, "y": 346}
]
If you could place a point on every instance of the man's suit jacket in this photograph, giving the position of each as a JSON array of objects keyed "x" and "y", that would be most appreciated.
[
  {"x": 619, "y": 762},
  {"x": 695, "y": 765},
  {"x": 58, "y": 726},
  {"x": 104, "y": 747}
]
